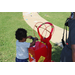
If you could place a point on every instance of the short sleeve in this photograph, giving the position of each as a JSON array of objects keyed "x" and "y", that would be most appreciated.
[
  {"x": 73, "y": 36},
  {"x": 27, "y": 45}
]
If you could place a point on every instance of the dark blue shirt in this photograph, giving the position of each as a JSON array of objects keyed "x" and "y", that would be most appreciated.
[
  {"x": 66, "y": 54},
  {"x": 71, "y": 38}
]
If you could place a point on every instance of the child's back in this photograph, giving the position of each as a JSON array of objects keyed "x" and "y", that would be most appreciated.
[{"x": 22, "y": 49}]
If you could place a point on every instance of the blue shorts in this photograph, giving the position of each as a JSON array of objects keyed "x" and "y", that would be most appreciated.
[{"x": 21, "y": 60}]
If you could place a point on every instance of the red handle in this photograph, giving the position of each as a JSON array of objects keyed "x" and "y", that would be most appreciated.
[{"x": 52, "y": 28}]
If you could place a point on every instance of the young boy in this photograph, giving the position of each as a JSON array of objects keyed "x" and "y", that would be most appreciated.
[{"x": 22, "y": 46}]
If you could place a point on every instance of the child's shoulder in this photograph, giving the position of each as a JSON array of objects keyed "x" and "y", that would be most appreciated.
[
  {"x": 17, "y": 41},
  {"x": 23, "y": 44}
]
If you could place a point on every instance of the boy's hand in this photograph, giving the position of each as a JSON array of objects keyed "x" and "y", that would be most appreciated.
[{"x": 36, "y": 38}]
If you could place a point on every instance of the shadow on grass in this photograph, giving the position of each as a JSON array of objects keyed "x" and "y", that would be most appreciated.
[{"x": 56, "y": 51}]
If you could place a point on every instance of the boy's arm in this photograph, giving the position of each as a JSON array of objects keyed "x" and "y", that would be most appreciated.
[
  {"x": 29, "y": 37},
  {"x": 33, "y": 43}
]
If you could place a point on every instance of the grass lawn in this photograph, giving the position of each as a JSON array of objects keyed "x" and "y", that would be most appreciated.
[
  {"x": 56, "y": 18},
  {"x": 9, "y": 23}
]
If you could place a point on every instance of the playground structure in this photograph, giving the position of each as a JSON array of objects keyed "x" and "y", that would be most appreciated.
[{"x": 41, "y": 52}]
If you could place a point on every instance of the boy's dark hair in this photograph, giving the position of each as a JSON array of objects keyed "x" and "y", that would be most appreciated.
[{"x": 21, "y": 33}]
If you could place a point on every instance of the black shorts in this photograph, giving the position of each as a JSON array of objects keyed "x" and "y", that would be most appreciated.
[{"x": 21, "y": 60}]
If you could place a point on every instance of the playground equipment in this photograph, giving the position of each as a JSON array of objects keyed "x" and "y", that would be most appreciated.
[{"x": 41, "y": 52}]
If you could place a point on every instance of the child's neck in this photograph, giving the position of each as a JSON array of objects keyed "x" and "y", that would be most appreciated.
[{"x": 22, "y": 40}]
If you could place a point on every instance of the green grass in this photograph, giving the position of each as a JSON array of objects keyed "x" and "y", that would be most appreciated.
[
  {"x": 9, "y": 23},
  {"x": 56, "y": 18}
]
